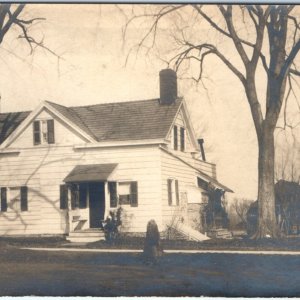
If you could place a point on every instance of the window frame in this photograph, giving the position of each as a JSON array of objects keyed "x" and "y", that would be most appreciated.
[
  {"x": 44, "y": 133},
  {"x": 173, "y": 192},
  {"x": 6, "y": 203},
  {"x": 133, "y": 193}
]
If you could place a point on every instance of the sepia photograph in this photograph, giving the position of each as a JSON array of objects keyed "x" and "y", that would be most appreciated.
[{"x": 150, "y": 149}]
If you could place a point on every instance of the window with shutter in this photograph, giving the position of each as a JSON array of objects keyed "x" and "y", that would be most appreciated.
[
  {"x": 3, "y": 199},
  {"x": 50, "y": 129},
  {"x": 63, "y": 196},
  {"x": 43, "y": 132},
  {"x": 128, "y": 193},
  {"x": 182, "y": 139},
  {"x": 173, "y": 192},
  {"x": 36, "y": 132},
  {"x": 175, "y": 137},
  {"x": 24, "y": 198},
  {"x": 112, "y": 187}
]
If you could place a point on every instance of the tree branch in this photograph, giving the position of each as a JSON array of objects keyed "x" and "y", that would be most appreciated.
[
  {"x": 11, "y": 20},
  {"x": 227, "y": 14},
  {"x": 289, "y": 60},
  {"x": 179, "y": 58}
]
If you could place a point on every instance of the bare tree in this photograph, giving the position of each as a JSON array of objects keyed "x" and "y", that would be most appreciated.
[
  {"x": 240, "y": 208},
  {"x": 12, "y": 16},
  {"x": 287, "y": 159},
  {"x": 271, "y": 46}
]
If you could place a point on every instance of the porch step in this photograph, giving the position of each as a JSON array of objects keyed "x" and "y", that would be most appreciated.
[
  {"x": 189, "y": 233},
  {"x": 220, "y": 233},
  {"x": 86, "y": 236}
]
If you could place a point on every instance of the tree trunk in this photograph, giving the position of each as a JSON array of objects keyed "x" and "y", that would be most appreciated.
[{"x": 267, "y": 225}]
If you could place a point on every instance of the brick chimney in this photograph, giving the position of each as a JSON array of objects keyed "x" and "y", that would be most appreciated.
[{"x": 168, "y": 86}]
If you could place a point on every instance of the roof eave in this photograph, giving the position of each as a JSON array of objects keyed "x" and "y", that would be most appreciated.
[{"x": 129, "y": 143}]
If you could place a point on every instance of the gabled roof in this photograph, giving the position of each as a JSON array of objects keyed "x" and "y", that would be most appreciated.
[{"x": 134, "y": 120}]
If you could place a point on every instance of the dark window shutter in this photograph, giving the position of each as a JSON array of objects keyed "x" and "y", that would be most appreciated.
[
  {"x": 50, "y": 130},
  {"x": 3, "y": 199},
  {"x": 112, "y": 186},
  {"x": 170, "y": 191},
  {"x": 36, "y": 132},
  {"x": 83, "y": 196},
  {"x": 175, "y": 133},
  {"x": 74, "y": 197},
  {"x": 24, "y": 198},
  {"x": 134, "y": 194},
  {"x": 182, "y": 139},
  {"x": 177, "y": 192},
  {"x": 63, "y": 196}
]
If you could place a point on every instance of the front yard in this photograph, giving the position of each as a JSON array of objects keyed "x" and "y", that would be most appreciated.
[
  {"x": 60, "y": 273},
  {"x": 27, "y": 272},
  {"x": 286, "y": 244}
]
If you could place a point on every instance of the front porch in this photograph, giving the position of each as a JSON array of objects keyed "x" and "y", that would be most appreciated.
[{"x": 89, "y": 195}]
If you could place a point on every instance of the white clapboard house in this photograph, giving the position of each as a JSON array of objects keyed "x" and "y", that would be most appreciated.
[{"x": 63, "y": 169}]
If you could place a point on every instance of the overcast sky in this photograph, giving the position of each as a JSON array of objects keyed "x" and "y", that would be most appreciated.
[{"x": 92, "y": 70}]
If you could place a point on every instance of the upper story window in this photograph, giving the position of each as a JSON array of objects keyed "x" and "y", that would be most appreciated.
[
  {"x": 43, "y": 132},
  {"x": 179, "y": 143}
]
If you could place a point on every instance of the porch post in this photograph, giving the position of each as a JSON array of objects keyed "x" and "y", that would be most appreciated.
[
  {"x": 106, "y": 199},
  {"x": 69, "y": 212}
]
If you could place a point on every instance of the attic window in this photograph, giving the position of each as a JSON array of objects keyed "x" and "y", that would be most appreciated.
[
  {"x": 179, "y": 138},
  {"x": 43, "y": 132}
]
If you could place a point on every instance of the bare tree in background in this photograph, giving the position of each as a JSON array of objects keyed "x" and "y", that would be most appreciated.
[
  {"x": 12, "y": 16},
  {"x": 240, "y": 208},
  {"x": 268, "y": 42},
  {"x": 287, "y": 161}
]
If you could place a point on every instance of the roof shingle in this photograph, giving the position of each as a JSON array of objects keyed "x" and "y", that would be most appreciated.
[
  {"x": 9, "y": 122},
  {"x": 134, "y": 120}
]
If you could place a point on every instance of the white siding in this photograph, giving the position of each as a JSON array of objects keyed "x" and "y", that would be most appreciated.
[
  {"x": 186, "y": 176},
  {"x": 179, "y": 122},
  {"x": 206, "y": 167},
  {"x": 43, "y": 170}
]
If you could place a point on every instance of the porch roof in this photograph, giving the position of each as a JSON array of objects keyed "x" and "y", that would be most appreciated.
[{"x": 97, "y": 172}]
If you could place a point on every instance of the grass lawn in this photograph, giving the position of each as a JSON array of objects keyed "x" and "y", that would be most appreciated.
[
  {"x": 285, "y": 244},
  {"x": 26, "y": 272}
]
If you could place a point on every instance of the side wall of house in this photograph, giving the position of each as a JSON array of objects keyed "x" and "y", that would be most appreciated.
[{"x": 173, "y": 168}]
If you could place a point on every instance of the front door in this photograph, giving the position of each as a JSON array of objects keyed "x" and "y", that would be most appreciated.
[{"x": 97, "y": 203}]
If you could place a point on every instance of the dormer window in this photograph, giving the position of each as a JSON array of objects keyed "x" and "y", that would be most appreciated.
[
  {"x": 43, "y": 132},
  {"x": 178, "y": 143}
]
